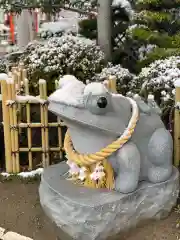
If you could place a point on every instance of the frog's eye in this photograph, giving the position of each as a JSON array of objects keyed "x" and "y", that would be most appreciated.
[
  {"x": 98, "y": 104},
  {"x": 102, "y": 102}
]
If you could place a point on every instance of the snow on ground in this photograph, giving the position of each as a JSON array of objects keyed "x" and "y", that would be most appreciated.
[
  {"x": 60, "y": 26},
  {"x": 31, "y": 174},
  {"x": 67, "y": 21}
]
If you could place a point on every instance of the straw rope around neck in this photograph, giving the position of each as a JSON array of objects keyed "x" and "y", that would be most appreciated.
[{"x": 97, "y": 163}]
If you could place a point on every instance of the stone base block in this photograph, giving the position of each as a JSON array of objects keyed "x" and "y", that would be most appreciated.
[{"x": 93, "y": 214}]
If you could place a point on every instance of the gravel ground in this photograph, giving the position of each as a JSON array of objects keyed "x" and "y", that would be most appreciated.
[{"x": 21, "y": 212}]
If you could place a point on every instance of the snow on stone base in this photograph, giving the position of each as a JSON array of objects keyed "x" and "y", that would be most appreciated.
[{"x": 14, "y": 236}]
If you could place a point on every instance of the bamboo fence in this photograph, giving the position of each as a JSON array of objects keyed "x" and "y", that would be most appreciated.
[
  {"x": 15, "y": 93},
  {"x": 12, "y": 101}
]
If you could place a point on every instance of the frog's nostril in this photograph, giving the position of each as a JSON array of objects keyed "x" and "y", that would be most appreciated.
[{"x": 102, "y": 102}]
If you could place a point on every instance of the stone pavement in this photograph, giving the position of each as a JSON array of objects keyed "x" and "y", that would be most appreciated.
[{"x": 5, "y": 235}]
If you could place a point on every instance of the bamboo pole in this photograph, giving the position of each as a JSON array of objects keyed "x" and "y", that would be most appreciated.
[
  {"x": 20, "y": 69},
  {"x": 19, "y": 82},
  {"x": 40, "y": 149},
  {"x": 15, "y": 130},
  {"x": 11, "y": 118},
  {"x": 59, "y": 127},
  {"x": 112, "y": 84},
  {"x": 177, "y": 125},
  {"x": 14, "y": 69},
  {"x": 24, "y": 75},
  {"x": 41, "y": 91},
  {"x": 60, "y": 136},
  {"x": 29, "y": 133},
  {"x": 56, "y": 84},
  {"x": 15, "y": 77},
  {"x": 46, "y": 125},
  {"x": 38, "y": 125},
  {"x": 6, "y": 122}
]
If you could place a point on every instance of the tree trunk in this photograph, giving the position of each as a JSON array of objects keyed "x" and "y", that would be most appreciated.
[{"x": 104, "y": 21}]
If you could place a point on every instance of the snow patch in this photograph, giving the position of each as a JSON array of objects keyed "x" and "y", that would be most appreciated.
[
  {"x": 70, "y": 92},
  {"x": 123, "y": 4},
  {"x": 30, "y": 99},
  {"x": 42, "y": 81},
  {"x": 95, "y": 88},
  {"x": 150, "y": 97},
  {"x": 63, "y": 25},
  {"x": 3, "y": 76},
  {"x": 136, "y": 97},
  {"x": 177, "y": 106},
  {"x": 66, "y": 80},
  {"x": 31, "y": 174},
  {"x": 177, "y": 83}
]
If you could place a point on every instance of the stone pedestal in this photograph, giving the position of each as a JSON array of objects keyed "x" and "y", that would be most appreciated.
[{"x": 93, "y": 214}]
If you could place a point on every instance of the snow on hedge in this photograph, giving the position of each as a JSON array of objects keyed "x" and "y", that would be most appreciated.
[
  {"x": 123, "y": 4},
  {"x": 161, "y": 76},
  {"x": 125, "y": 80},
  {"x": 65, "y": 55},
  {"x": 91, "y": 5}
]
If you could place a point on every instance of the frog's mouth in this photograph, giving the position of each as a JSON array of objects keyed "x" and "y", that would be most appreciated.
[{"x": 108, "y": 122}]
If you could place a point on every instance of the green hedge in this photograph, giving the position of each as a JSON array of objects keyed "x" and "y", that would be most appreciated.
[
  {"x": 162, "y": 40},
  {"x": 158, "y": 53},
  {"x": 163, "y": 21},
  {"x": 157, "y": 4}
]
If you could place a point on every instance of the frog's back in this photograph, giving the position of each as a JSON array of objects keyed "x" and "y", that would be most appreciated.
[{"x": 146, "y": 126}]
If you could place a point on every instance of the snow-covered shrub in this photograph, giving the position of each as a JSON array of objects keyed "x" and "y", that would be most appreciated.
[
  {"x": 158, "y": 79},
  {"x": 124, "y": 4},
  {"x": 31, "y": 47},
  {"x": 65, "y": 55},
  {"x": 125, "y": 80},
  {"x": 161, "y": 75},
  {"x": 85, "y": 5},
  {"x": 11, "y": 49},
  {"x": 9, "y": 60},
  {"x": 3, "y": 65}
]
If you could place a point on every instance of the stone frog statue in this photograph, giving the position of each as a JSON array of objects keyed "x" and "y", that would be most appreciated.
[{"x": 96, "y": 118}]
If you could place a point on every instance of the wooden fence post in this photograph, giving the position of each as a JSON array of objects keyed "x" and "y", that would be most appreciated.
[
  {"x": 112, "y": 84},
  {"x": 177, "y": 124},
  {"x": 44, "y": 123},
  {"x": 29, "y": 132},
  {"x": 15, "y": 127},
  {"x": 46, "y": 127},
  {"x": 6, "y": 123}
]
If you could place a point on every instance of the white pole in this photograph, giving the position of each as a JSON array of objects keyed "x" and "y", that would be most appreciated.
[{"x": 24, "y": 28}]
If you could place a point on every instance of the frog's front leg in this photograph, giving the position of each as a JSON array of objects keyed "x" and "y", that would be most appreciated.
[{"x": 128, "y": 164}]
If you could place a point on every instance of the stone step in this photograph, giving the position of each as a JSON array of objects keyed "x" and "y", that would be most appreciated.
[
  {"x": 2, "y": 230},
  {"x": 12, "y": 236}
]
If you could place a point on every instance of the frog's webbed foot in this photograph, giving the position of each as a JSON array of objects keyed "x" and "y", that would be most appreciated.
[{"x": 129, "y": 168}]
